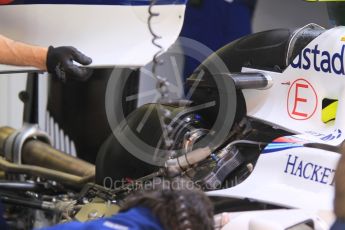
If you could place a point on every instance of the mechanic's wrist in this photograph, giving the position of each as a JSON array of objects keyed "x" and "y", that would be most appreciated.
[
  {"x": 41, "y": 55},
  {"x": 50, "y": 61}
]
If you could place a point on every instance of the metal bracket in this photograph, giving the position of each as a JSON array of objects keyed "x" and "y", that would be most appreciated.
[{"x": 15, "y": 142}]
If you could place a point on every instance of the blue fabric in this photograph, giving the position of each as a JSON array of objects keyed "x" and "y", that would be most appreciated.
[
  {"x": 134, "y": 219},
  {"x": 216, "y": 23},
  {"x": 338, "y": 225},
  {"x": 3, "y": 225},
  {"x": 99, "y": 2}
]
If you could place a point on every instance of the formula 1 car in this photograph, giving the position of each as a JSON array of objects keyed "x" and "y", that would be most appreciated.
[{"x": 270, "y": 141}]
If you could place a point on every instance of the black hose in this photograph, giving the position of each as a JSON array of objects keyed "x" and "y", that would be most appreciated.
[
  {"x": 11, "y": 199},
  {"x": 22, "y": 202},
  {"x": 20, "y": 186}
]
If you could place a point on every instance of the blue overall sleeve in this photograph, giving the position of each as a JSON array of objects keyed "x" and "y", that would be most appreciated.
[
  {"x": 3, "y": 225},
  {"x": 134, "y": 219},
  {"x": 338, "y": 225}
]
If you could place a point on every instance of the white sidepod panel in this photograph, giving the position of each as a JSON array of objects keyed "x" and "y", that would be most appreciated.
[{"x": 113, "y": 35}]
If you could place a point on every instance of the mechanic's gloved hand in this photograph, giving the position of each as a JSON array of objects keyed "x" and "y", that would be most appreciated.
[{"x": 60, "y": 63}]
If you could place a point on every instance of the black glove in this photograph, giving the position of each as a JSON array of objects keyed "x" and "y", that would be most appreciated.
[{"x": 60, "y": 63}]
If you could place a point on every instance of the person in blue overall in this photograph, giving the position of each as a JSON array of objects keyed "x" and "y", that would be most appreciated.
[
  {"x": 215, "y": 23},
  {"x": 156, "y": 210}
]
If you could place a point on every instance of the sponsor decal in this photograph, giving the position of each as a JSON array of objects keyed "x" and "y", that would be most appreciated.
[
  {"x": 329, "y": 110},
  {"x": 337, "y": 133},
  {"x": 308, "y": 170},
  {"x": 280, "y": 146},
  {"x": 320, "y": 60},
  {"x": 111, "y": 225},
  {"x": 289, "y": 139},
  {"x": 284, "y": 143},
  {"x": 302, "y": 100}
]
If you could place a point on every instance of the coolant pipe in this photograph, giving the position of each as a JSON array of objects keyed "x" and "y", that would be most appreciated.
[
  {"x": 181, "y": 163},
  {"x": 37, "y": 153},
  {"x": 50, "y": 174}
]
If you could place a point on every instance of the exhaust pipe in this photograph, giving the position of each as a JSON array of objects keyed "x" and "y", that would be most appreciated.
[{"x": 40, "y": 159}]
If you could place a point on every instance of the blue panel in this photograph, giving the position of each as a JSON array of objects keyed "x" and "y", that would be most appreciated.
[{"x": 100, "y": 2}]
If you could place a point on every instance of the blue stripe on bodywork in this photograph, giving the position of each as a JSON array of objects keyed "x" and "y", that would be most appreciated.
[
  {"x": 100, "y": 2},
  {"x": 276, "y": 147}
]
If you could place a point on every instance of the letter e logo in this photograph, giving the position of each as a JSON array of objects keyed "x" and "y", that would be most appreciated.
[{"x": 302, "y": 100}]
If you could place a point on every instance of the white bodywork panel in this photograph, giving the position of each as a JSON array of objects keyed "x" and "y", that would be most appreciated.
[
  {"x": 277, "y": 179},
  {"x": 283, "y": 106},
  {"x": 277, "y": 219},
  {"x": 287, "y": 173},
  {"x": 113, "y": 35}
]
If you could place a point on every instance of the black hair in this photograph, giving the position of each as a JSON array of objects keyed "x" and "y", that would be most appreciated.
[{"x": 177, "y": 209}]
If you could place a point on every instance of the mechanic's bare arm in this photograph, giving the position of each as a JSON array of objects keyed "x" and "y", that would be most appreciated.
[
  {"x": 20, "y": 54},
  {"x": 58, "y": 61}
]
